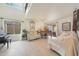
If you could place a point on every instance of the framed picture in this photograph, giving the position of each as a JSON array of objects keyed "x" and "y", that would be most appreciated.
[
  {"x": 32, "y": 26},
  {"x": 66, "y": 26}
]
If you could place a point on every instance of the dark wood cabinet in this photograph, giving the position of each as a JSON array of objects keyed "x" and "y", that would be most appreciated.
[{"x": 76, "y": 22}]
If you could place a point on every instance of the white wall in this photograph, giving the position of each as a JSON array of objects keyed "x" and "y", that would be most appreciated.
[
  {"x": 59, "y": 23},
  {"x": 69, "y": 19}
]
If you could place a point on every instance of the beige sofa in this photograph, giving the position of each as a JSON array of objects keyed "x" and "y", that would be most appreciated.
[
  {"x": 65, "y": 44},
  {"x": 33, "y": 35}
]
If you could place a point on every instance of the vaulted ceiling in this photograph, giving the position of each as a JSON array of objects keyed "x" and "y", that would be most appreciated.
[
  {"x": 51, "y": 11},
  {"x": 12, "y": 11}
]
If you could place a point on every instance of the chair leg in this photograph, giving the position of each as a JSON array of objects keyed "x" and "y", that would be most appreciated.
[
  {"x": 10, "y": 40},
  {"x": 7, "y": 45},
  {"x": 4, "y": 43}
]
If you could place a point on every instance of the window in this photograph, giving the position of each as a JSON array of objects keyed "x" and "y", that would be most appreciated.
[
  {"x": 10, "y": 28},
  {"x": 17, "y": 28},
  {"x": 13, "y": 27}
]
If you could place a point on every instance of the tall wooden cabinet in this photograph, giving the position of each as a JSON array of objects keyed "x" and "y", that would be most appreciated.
[{"x": 76, "y": 21}]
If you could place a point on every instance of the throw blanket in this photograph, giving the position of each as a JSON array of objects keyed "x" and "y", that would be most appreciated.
[{"x": 71, "y": 43}]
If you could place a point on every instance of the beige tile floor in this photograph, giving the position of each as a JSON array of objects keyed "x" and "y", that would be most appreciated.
[{"x": 28, "y": 48}]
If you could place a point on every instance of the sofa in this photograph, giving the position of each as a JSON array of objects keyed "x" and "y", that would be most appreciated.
[
  {"x": 66, "y": 44},
  {"x": 32, "y": 35}
]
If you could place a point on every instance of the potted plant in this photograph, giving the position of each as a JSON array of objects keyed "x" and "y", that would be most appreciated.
[{"x": 24, "y": 34}]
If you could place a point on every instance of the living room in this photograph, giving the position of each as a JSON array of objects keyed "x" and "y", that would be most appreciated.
[{"x": 40, "y": 27}]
